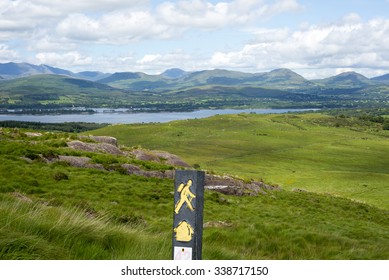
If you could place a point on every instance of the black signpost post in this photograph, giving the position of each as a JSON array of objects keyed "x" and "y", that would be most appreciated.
[{"x": 188, "y": 215}]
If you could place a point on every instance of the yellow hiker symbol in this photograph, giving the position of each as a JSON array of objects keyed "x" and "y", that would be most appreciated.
[
  {"x": 184, "y": 232},
  {"x": 185, "y": 196}
]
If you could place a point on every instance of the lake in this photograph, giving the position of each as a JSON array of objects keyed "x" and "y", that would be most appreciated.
[{"x": 119, "y": 116}]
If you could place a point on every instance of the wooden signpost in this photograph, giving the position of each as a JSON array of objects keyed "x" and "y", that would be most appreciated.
[{"x": 188, "y": 214}]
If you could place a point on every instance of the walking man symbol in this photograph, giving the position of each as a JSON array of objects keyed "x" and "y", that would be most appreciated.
[{"x": 186, "y": 196}]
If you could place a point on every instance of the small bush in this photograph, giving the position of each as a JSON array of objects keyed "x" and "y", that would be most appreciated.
[
  {"x": 386, "y": 125},
  {"x": 32, "y": 156},
  {"x": 59, "y": 176},
  {"x": 49, "y": 154},
  {"x": 196, "y": 166}
]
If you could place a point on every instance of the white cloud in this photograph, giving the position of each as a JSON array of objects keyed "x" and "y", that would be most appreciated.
[
  {"x": 73, "y": 33},
  {"x": 23, "y": 15},
  {"x": 168, "y": 20},
  {"x": 349, "y": 43},
  {"x": 68, "y": 59},
  {"x": 80, "y": 6},
  {"x": 79, "y": 26},
  {"x": 45, "y": 43},
  {"x": 113, "y": 28},
  {"x": 204, "y": 14},
  {"x": 124, "y": 21},
  {"x": 6, "y": 54},
  {"x": 153, "y": 63}
]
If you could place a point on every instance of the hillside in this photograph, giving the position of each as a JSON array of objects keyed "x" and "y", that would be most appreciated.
[
  {"x": 347, "y": 80},
  {"x": 65, "y": 196},
  {"x": 276, "y": 79},
  {"x": 13, "y": 70},
  {"x": 342, "y": 156},
  {"x": 57, "y": 90},
  {"x": 382, "y": 79}
]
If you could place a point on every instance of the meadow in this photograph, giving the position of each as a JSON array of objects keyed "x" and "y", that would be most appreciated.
[
  {"x": 331, "y": 155},
  {"x": 51, "y": 210}
]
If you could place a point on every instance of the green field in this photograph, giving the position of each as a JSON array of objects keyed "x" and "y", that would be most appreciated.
[
  {"x": 51, "y": 210},
  {"x": 313, "y": 152}
]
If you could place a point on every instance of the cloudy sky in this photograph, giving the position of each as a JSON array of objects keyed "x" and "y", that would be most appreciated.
[{"x": 314, "y": 38}]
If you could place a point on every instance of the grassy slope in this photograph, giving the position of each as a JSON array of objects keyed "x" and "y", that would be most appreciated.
[
  {"x": 313, "y": 152},
  {"x": 58, "y": 224},
  {"x": 58, "y": 90},
  {"x": 98, "y": 214}
]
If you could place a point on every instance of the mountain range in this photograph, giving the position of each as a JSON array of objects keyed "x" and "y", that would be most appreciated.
[
  {"x": 177, "y": 78},
  {"x": 29, "y": 84}
]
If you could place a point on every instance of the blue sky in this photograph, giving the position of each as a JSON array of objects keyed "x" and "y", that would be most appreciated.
[{"x": 313, "y": 38}]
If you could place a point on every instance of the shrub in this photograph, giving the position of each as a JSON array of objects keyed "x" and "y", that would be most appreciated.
[
  {"x": 32, "y": 155},
  {"x": 59, "y": 176},
  {"x": 386, "y": 125}
]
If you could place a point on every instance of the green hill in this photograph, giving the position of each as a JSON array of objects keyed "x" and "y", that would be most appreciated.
[
  {"x": 58, "y": 90},
  {"x": 342, "y": 156},
  {"x": 90, "y": 208},
  {"x": 347, "y": 80},
  {"x": 276, "y": 79}
]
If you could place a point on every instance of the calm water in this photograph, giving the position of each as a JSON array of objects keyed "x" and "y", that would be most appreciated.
[{"x": 122, "y": 117}]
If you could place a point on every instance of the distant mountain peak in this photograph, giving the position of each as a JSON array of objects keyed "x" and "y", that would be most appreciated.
[
  {"x": 285, "y": 72},
  {"x": 13, "y": 70},
  {"x": 282, "y": 70},
  {"x": 174, "y": 73},
  {"x": 118, "y": 76},
  {"x": 347, "y": 79},
  {"x": 351, "y": 75}
]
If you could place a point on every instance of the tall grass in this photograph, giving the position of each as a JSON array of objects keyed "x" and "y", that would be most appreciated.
[
  {"x": 296, "y": 225},
  {"x": 34, "y": 231}
]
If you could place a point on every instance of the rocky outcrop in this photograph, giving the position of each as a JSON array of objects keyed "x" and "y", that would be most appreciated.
[
  {"x": 105, "y": 139},
  {"x": 158, "y": 156},
  {"x": 232, "y": 186},
  {"x": 95, "y": 147},
  {"x": 33, "y": 134},
  {"x": 223, "y": 184},
  {"x": 136, "y": 170},
  {"x": 83, "y": 162},
  {"x": 107, "y": 144},
  {"x": 171, "y": 159}
]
